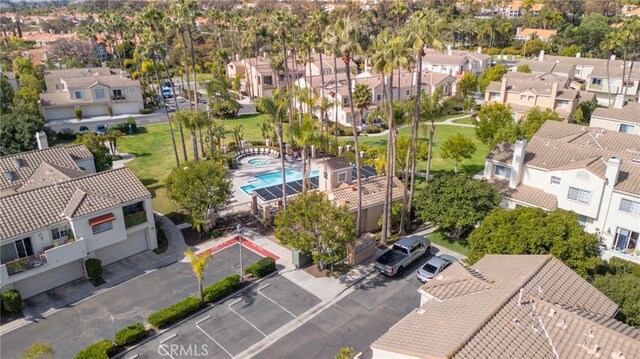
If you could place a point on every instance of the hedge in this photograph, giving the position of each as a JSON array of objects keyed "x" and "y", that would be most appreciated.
[
  {"x": 221, "y": 288},
  {"x": 94, "y": 268},
  {"x": 11, "y": 301},
  {"x": 261, "y": 268},
  {"x": 130, "y": 334},
  {"x": 100, "y": 350},
  {"x": 175, "y": 312},
  {"x": 145, "y": 111}
]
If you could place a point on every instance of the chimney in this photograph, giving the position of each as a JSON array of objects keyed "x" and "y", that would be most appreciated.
[
  {"x": 518, "y": 30},
  {"x": 619, "y": 101},
  {"x": 517, "y": 163},
  {"x": 51, "y": 31},
  {"x": 449, "y": 51},
  {"x": 503, "y": 90},
  {"x": 541, "y": 56},
  {"x": 264, "y": 54},
  {"x": 554, "y": 93},
  {"x": 123, "y": 74},
  {"x": 578, "y": 55},
  {"x": 414, "y": 81},
  {"x": 613, "y": 57},
  {"x": 41, "y": 138},
  {"x": 479, "y": 49},
  {"x": 237, "y": 57},
  {"x": 613, "y": 169}
]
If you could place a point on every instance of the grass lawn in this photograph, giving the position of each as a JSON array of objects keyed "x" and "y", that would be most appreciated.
[
  {"x": 471, "y": 166},
  {"x": 466, "y": 121},
  {"x": 441, "y": 239}
]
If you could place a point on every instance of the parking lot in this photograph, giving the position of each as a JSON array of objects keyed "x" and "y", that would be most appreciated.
[{"x": 232, "y": 326}]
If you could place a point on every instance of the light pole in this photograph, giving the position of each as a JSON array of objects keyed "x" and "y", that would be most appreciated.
[
  {"x": 113, "y": 321},
  {"x": 239, "y": 229}
]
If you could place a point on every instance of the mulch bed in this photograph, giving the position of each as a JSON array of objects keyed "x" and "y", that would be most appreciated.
[
  {"x": 191, "y": 236},
  {"x": 314, "y": 271}
]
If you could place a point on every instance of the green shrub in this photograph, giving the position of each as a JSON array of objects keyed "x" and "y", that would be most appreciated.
[
  {"x": 94, "y": 268},
  {"x": 145, "y": 111},
  {"x": 130, "y": 334},
  {"x": 78, "y": 113},
  {"x": 110, "y": 111},
  {"x": 175, "y": 312},
  {"x": 621, "y": 266},
  {"x": 132, "y": 121},
  {"x": 345, "y": 131},
  {"x": 221, "y": 288},
  {"x": 261, "y": 268},
  {"x": 11, "y": 301},
  {"x": 373, "y": 129},
  {"x": 100, "y": 350}
]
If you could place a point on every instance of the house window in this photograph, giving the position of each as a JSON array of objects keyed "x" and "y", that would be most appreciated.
[
  {"x": 132, "y": 90},
  {"x": 523, "y": 97},
  {"x": 578, "y": 71},
  {"x": 378, "y": 97},
  {"x": 629, "y": 206},
  {"x": 18, "y": 249},
  {"x": 99, "y": 93},
  {"x": 530, "y": 98},
  {"x": 408, "y": 92},
  {"x": 583, "y": 220},
  {"x": 268, "y": 80},
  {"x": 342, "y": 177},
  {"x": 59, "y": 233},
  {"x": 117, "y": 94},
  {"x": 59, "y": 86},
  {"x": 102, "y": 227},
  {"x": 563, "y": 103},
  {"x": 596, "y": 81},
  {"x": 133, "y": 208},
  {"x": 624, "y": 128},
  {"x": 345, "y": 101},
  {"x": 503, "y": 171},
  {"x": 579, "y": 195},
  {"x": 79, "y": 95},
  {"x": 325, "y": 175},
  {"x": 494, "y": 96},
  {"x": 555, "y": 180}
]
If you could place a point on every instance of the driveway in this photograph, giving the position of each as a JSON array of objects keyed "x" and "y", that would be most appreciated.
[{"x": 71, "y": 329}]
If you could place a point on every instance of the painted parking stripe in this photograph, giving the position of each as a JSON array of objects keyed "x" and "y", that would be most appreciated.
[
  {"x": 243, "y": 318},
  {"x": 273, "y": 301},
  {"x": 210, "y": 337}
]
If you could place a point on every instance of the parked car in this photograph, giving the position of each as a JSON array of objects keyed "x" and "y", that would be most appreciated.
[
  {"x": 83, "y": 129},
  {"x": 433, "y": 266},
  {"x": 101, "y": 129},
  {"x": 166, "y": 92},
  {"x": 404, "y": 252}
]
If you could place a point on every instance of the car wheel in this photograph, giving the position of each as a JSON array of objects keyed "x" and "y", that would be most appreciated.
[{"x": 400, "y": 271}]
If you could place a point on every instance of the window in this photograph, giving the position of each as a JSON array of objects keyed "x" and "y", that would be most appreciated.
[
  {"x": 102, "y": 227},
  {"x": 117, "y": 94},
  {"x": 416, "y": 248},
  {"x": 59, "y": 86},
  {"x": 342, "y": 177},
  {"x": 79, "y": 95},
  {"x": 583, "y": 220},
  {"x": 268, "y": 80},
  {"x": 596, "y": 81},
  {"x": 99, "y": 93},
  {"x": 624, "y": 128},
  {"x": 59, "y": 233},
  {"x": 17, "y": 249},
  {"x": 324, "y": 174},
  {"x": 579, "y": 195},
  {"x": 562, "y": 103},
  {"x": 578, "y": 71},
  {"x": 378, "y": 97},
  {"x": 523, "y": 97},
  {"x": 503, "y": 171},
  {"x": 408, "y": 92},
  {"x": 133, "y": 208},
  {"x": 494, "y": 96},
  {"x": 530, "y": 98},
  {"x": 555, "y": 180},
  {"x": 132, "y": 90},
  {"x": 629, "y": 206}
]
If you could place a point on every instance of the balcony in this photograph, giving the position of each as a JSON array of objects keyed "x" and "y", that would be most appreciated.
[
  {"x": 49, "y": 258},
  {"x": 595, "y": 86},
  {"x": 135, "y": 219},
  {"x": 22, "y": 264},
  {"x": 118, "y": 98}
]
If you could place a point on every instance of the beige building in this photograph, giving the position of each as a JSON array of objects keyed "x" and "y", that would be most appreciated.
[
  {"x": 522, "y": 92},
  {"x": 92, "y": 90},
  {"x": 607, "y": 83},
  {"x": 560, "y": 69},
  {"x": 510, "y": 306},
  {"x": 455, "y": 62},
  {"x": 526, "y": 34},
  {"x": 623, "y": 116}
]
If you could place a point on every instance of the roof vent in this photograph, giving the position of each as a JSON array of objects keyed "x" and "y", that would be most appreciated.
[
  {"x": 617, "y": 355},
  {"x": 11, "y": 176},
  {"x": 19, "y": 162}
]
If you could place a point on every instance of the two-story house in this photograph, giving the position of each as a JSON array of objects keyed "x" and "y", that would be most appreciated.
[
  {"x": 591, "y": 171},
  {"x": 606, "y": 83},
  {"x": 623, "y": 116},
  {"x": 92, "y": 90},
  {"x": 584, "y": 65},
  {"x": 55, "y": 213},
  {"x": 455, "y": 62},
  {"x": 259, "y": 76},
  {"x": 522, "y": 92}
]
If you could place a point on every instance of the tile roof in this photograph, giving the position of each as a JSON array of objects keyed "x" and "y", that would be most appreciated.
[
  {"x": 61, "y": 157},
  {"x": 24, "y": 212},
  {"x": 81, "y": 72},
  {"x": 503, "y": 319},
  {"x": 373, "y": 192},
  {"x": 616, "y": 71},
  {"x": 582, "y": 61},
  {"x": 502, "y": 152},
  {"x": 337, "y": 163},
  {"x": 542, "y": 33},
  {"x": 527, "y": 194},
  {"x": 630, "y": 112},
  {"x": 546, "y": 66}
]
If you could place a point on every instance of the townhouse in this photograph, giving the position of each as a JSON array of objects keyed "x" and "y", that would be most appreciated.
[
  {"x": 56, "y": 212},
  {"x": 455, "y": 62},
  {"x": 526, "y": 34},
  {"x": 584, "y": 65},
  {"x": 509, "y": 306},
  {"x": 523, "y": 91},
  {"x": 592, "y": 171},
  {"x": 623, "y": 116},
  {"x": 608, "y": 81},
  {"x": 562, "y": 69},
  {"x": 92, "y": 90}
]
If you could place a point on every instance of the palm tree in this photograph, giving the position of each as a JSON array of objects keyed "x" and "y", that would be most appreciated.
[
  {"x": 352, "y": 41},
  {"x": 190, "y": 121},
  {"x": 198, "y": 265},
  {"x": 317, "y": 24},
  {"x": 331, "y": 44},
  {"x": 219, "y": 132},
  {"x": 362, "y": 98},
  {"x": 177, "y": 19},
  {"x": 324, "y": 106},
  {"x": 398, "y": 10}
]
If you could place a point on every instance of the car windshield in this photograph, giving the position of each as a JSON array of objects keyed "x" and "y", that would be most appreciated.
[
  {"x": 429, "y": 268},
  {"x": 399, "y": 248}
]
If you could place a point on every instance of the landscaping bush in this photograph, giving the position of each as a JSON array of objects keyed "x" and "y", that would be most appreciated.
[
  {"x": 78, "y": 113},
  {"x": 261, "y": 268},
  {"x": 373, "y": 129},
  {"x": 130, "y": 334},
  {"x": 134, "y": 127},
  {"x": 221, "y": 288},
  {"x": 345, "y": 131},
  {"x": 94, "y": 268},
  {"x": 100, "y": 350},
  {"x": 11, "y": 302},
  {"x": 66, "y": 135},
  {"x": 621, "y": 266},
  {"x": 110, "y": 111},
  {"x": 175, "y": 312},
  {"x": 145, "y": 111}
]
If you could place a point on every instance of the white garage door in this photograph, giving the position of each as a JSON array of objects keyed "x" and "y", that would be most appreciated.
[
  {"x": 136, "y": 243},
  {"x": 59, "y": 113},
  {"x": 49, "y": 279},
  {"x": 97, "y": 110},
  {"x": 126, "y": 108}
]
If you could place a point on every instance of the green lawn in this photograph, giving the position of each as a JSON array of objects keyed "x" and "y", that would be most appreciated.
[{"x": 441, "y": 239}]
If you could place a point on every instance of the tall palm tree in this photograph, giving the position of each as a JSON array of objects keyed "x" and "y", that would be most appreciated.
[
  {"x": 219, "y": 132},
  {"x": 198, "y": 265},
  {"x": 190, "y": 121},
  {"x": 317, "y": 24},
  {"x": 398, "y": 10},
  {"x": 177, "y": 19},
  {"x": 331, "y": 44},
  {"x": 352, "y": 41},
  {"x": 362, "y": 98}
]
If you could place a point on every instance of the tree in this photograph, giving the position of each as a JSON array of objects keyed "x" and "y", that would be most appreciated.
[
  {"x": 468, "y": 85},
  {"x": 198, "y": 265},
  {"x": 362, "y": 98},
  {"x": 527, "y": 230},
  {"x": 17, "y": 132},
  {"x": 524, "y": 68},
  {"x": 100, "y": 152},
  {"x": 534, "y": 119},
  {"x": 6, "y": 95},
  {"x": 112, "y": 136},
  {"x": 458, "y": 147},
  {"x": 314, "y": 224},
  {"x": 347, "y": 352},
  {"x": 496, "y": 125},
  {"x": 584, "y": 111},
  {"x": 456, "y": 202},
  {"x": 199, "y": 188},
  {"x": 624, "y": 290},
  {"x": 38, "y": 351},
  {"x": 493, "y": 73},
  {"x": 73, "y": 53}
]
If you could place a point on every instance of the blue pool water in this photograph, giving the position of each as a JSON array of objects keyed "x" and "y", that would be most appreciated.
[
  {"x": 258, "y": 161},
  {"x": 274, "y": 178}
]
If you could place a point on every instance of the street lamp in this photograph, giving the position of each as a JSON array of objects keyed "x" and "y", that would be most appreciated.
[{"x": 239, "y": 230}]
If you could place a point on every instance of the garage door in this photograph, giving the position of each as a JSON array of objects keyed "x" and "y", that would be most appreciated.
[
  {"x": 90, "y": 111},
  {"x": 49, "y": 279},
  {"x": 136, "y": 243},
  {"x": 126, "y": 108},
  {"x": 59, "y": 113}
]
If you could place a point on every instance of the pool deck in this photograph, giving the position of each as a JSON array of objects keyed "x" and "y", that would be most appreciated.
[{"x": 247, "y": 172}]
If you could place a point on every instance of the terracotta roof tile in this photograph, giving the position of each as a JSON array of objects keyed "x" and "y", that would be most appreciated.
[
  {"x": 373, "y": 192},
  {"x": 527, "y": 194},
  {"x": 630, "y": 112}
]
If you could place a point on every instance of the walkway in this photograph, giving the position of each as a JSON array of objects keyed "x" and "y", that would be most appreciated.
[{"x": 447, "y": 122}]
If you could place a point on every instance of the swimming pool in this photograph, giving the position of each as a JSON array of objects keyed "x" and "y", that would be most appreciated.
[{"x": 274, "y": 178}]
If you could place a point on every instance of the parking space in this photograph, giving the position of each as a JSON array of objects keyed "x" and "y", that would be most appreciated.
[{"x": 231, "y": 327}]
